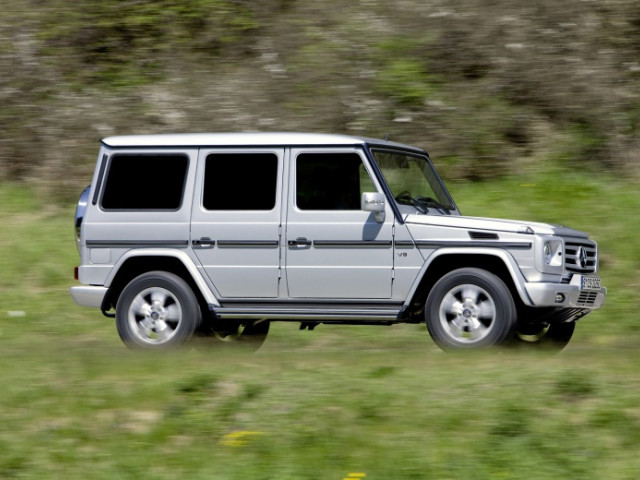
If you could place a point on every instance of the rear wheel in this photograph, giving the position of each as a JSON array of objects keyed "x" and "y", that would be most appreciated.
[
  {"x": 470, "y": 308},
  {"x": 157, "y": 310}
]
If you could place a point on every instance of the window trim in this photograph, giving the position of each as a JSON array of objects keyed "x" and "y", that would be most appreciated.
[{"x": 101, "y": 175}]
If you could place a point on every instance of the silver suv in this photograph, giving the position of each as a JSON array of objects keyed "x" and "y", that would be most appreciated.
[{"x": 219, "y": 234}]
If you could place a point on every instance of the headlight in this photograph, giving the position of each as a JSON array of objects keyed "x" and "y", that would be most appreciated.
[{"x": 552, "y": 251}]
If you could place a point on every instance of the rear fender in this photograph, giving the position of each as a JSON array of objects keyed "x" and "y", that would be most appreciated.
[{"x": 201, "y": 283}]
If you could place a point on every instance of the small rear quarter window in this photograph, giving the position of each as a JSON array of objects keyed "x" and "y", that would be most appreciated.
[{"x": 145, "y": 182}]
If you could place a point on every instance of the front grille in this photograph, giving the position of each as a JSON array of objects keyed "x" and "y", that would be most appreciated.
[
  {"x": 587, "y": 299},
  {"x": 580, "y": 257}
]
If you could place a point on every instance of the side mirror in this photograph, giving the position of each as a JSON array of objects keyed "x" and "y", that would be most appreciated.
[{"x": 374, "y": 202}]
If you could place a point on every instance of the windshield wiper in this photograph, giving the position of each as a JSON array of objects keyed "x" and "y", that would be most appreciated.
[
  {"x": 421, "y": 202},
  {"x": 430, "y": 202},
  {"x": 406, "y": 199}
]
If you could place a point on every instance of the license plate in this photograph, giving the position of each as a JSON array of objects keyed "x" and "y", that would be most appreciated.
[{"x": 590, "y": 283}]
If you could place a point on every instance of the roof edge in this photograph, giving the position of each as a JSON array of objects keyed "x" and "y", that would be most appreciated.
[{"x": 244, "y": 139}]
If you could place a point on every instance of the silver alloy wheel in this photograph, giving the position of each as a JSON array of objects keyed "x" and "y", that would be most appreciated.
[
  {"x": 154, "y": 316},
  {"x": 467, "y": 313}
]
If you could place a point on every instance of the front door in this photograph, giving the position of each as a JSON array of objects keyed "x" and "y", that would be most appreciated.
[
  {"x": 235, "y": 227},
  {"x": 335, "y": 250}
]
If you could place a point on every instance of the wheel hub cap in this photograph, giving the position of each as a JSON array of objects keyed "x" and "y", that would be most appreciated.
[
  {"x": 467, "y": 313},
  {"x": 155, "y": 315}
]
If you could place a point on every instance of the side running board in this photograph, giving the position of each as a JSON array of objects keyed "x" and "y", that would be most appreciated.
[{"x": 316, "y": 312}]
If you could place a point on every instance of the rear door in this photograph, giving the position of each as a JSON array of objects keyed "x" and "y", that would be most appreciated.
[
  {"x": 335, "y": 250},
  {"x": 235, "y": 228}
]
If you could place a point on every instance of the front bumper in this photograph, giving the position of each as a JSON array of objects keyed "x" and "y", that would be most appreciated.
[
  {"x": 88, "y": 295},
  {"x": 565, "y": 295}
]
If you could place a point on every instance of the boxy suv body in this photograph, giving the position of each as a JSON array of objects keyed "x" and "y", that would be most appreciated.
[{"x": 220, "y": 234}]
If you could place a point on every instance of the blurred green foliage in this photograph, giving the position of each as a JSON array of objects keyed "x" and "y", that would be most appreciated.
[
  {"x": 406, "y": 81},
  {"x": 125, "y": 44},
  {"x": 489, "y": 89}
]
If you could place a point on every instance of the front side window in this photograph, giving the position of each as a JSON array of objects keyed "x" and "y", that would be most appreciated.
[
  {"x": 145, "y": 182},
  {"x": 331, "y": 181},
  {"x": 240, "y": 181},
  {"x": 413, "y": 181}
]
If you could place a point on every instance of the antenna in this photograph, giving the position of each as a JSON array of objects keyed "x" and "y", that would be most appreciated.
[{"x": 386, "y": 138}]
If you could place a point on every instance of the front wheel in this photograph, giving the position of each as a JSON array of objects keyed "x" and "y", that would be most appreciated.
[
  {"x": 157, "y": 310},
  {"x": 470, "y": 308}
]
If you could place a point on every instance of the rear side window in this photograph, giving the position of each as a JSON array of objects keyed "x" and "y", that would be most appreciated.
[
  {"x": 240, "y": 181},
  {"x": 145, "y": 182}
]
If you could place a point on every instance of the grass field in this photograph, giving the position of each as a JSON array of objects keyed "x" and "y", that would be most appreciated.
[{"x": 326, "y": 404}]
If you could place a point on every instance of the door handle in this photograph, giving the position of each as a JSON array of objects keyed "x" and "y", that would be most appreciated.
[
  {"x": 299, "y": 242},
  {"x": 203, "y": 242}
]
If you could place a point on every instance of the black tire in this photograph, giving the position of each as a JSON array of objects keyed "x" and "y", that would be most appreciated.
[
  {"x": 470, "y": 308},
  {"x": 157, "y": 310},
  {"x": 246, "y": 334},
  {"x": 552, "y": 336}
]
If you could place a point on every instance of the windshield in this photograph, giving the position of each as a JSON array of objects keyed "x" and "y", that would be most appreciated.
[{"x": 413, "y": 181}]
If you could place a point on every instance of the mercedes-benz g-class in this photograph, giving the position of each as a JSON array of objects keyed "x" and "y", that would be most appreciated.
[{"x": 221, "y": 234}]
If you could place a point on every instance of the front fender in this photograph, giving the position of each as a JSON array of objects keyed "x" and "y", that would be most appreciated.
[{"x": 504, "y": 256}]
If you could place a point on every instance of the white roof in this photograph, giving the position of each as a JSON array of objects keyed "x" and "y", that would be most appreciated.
[{"x": 243, "y": 139}]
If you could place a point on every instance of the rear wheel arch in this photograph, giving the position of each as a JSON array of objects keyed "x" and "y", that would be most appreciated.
[{"x": 138, "y": 265}]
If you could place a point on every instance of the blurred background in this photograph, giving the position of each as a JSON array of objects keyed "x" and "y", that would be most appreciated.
[
  {"x": 529, "y": 109},
  {"x": 489, "y": 88}
]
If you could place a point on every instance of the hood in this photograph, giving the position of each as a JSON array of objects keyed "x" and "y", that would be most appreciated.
[{"x": 493, "y": 224}]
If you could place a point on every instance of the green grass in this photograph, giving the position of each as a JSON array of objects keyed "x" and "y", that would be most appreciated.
[{"x": 378, "y": 400}]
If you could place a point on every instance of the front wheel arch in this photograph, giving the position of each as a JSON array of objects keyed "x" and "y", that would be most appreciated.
[{"x": 448, "y": 262}]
